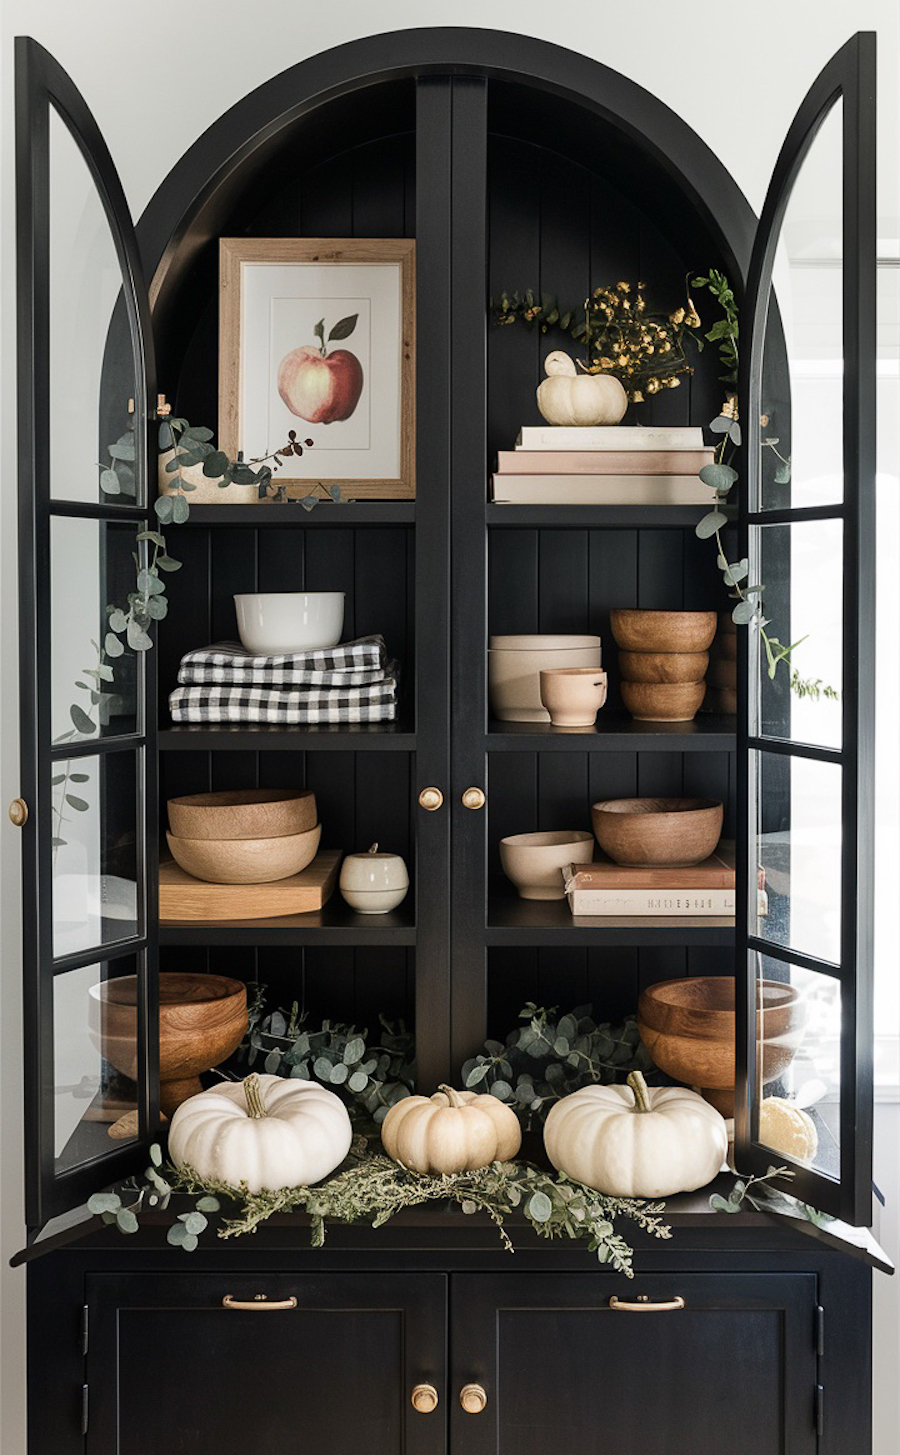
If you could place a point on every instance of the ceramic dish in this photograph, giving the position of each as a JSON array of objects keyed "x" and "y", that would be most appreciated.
[
  {"x": 245, "y": 861},
  {"x": 374, "y": 883},
  {"x": 573, "y": 695},
  {"x": 272, "y": 623},
  {"x": 516, "y": 662},
  {"x": 535, "y": 862},
  {"x": 669, "y": 833},
  {"x": 243, "y": 813}
]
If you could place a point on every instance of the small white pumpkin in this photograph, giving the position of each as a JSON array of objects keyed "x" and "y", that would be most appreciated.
[
  {"x": 452, "y": 1131},
  {"x": 266, "y": 1131},
  {"x": 569, "y": 398},
  {"x": 786, "y": 1127},
  {"x": 636, "y": 1141}
]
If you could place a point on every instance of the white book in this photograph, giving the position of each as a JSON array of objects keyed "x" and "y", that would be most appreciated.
[
  {"x": 610, "y": 437},
  {"x": 647, "y": 902},
  {"x": 601, "y": 490}
]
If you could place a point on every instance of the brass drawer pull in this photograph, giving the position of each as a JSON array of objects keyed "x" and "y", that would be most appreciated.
[
  {"x": 643, "y": 1305},
  {"x": 473, "y": 1398},
  {"x": 259, "y": 1303},
  {"x": 424, "y": 1399}
]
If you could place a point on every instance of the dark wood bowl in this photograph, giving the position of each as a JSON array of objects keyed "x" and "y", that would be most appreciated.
[
  {"x": 663, "y": 631},
  {"x": 662, "y": 701},
  {"x": 671, "y": 833}
]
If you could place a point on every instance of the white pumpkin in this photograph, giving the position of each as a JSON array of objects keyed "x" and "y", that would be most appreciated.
[
  {"x": 266, "y": 1131},
  {"x": 786, "y": 1127},
  {"x": 636, "y": 1141},
  {"x": 569, "y": 398},
  {"x": 452, "y": 1131}
]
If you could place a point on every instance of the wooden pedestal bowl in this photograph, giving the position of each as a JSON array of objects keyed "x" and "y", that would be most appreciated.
[
  {"x": 688, "y": 1028},
  {"x": 202, "y": 1019}
]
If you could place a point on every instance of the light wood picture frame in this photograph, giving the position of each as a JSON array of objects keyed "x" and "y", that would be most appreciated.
[{"x": 286, "y": 308}]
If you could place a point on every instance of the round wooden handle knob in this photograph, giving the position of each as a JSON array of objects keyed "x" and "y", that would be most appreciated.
[
  {"x": 431, "y": 799},
  {"x": 473, "y": 1398},
  {"x": 18, "y": 812},
  {"x": 473, "y": 798},
  {"x": 424, "y": 1398}
]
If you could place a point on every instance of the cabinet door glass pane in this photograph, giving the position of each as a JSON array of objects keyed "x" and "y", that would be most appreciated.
[
  {"x": 90, "y": 346},
  {"x": 802, "y": 568},
  {"x": 803, "y": 463},
  {"x": 798, "y": 1060},
  {"x": 95, "y": 865},
  {"x": 798, "y": 850},
  {"x": 95, "y": 1040},
  {"x": 94, "y": 693}
]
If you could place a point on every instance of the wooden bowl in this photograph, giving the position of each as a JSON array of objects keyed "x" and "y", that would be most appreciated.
[
  {"x": 243, "y": 813},
  {"x": 202, "y": 1020},
  {"x": 670, "y": 833},
  {"x": 662, "y": 701},
  {"x": 663, "y": 631},
  {"x": 245, "y": 861},
  {"x": 535, "y": 862},
  {"x": 663, "y": 666},
  {"x": 687, "y": 1027}
]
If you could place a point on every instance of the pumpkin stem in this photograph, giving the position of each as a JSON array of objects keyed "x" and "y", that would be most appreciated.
[
  {"x": 253, "y": 1095},
  {"x": 452, "y": 1096},
  {"x": 641, "y": 1094}
]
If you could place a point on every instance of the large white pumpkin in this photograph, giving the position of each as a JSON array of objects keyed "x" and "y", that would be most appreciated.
[
  {"x": 266, "y": 1131},
  {"x": 636, "y": 1141},
  {"x": 452, "y": 1131},
  {"x": 569, "y": 398}
]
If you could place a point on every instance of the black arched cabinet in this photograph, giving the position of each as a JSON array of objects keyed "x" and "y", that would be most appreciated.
[{"x": 510, "y": 162}]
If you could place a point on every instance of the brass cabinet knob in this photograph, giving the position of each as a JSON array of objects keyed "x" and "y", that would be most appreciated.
[
  {"x": 424, "y": 1399},
  {"x": 473, "y": 798},
  {"x": 473, "y": 1398},
  {"x": 18, "y": 812},
  {"x": 431, "y": 799}
]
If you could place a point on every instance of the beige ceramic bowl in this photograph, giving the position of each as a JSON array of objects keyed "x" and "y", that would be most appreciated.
[
  {"x": 243, "y": 813},
  {"x": 663, "y": 666},
  {"x": 516, "y": 662},
  {"x": 535, "y": 862},
  {"x": 245, "y": 861},
  {"x": 671, "y": 833},
  {"x": 663, "y": 631},
  {"x": 573, "y": 695},
  {"x": 662, "y": 701}
]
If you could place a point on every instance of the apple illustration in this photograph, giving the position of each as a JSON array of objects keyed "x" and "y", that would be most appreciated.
[{"x": 318, "y": 386}]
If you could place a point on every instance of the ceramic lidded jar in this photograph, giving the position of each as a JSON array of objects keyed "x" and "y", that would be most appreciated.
[{"x": 374, "y": 883}]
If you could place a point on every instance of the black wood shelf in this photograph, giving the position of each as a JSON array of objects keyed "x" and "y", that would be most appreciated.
[
  {"x": 369, "y": 737},
  {"x": 335, "y": 924},
  {"x": 616, "y": 732},
  {"x": 326, "y": 513},
  {"x": 596, "y": 517},
  {"x": 536, "y": 922}
]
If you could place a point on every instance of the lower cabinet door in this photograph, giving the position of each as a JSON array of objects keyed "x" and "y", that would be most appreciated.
[
  {"x": 559, "y": 1368},
  {"x": 323, "y": 1364}
]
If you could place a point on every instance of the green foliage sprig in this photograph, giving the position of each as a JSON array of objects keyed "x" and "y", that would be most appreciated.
[
  {"x": 550, "y": 1056},
  {"x": 766, "y": 1198}
]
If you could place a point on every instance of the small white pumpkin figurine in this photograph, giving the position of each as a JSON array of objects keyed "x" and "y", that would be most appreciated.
[
  {"x": 569, "y": 398},
  {"x": 265, "y": 1131},
  {"x": 636, "y": 1141},
  {"x": 452, "y": 1131}
]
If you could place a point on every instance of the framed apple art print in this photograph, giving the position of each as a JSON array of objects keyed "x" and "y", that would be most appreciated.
[{"x": 317, "y": 336}]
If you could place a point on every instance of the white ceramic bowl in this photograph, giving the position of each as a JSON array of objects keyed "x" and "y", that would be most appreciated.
[
  {"x": 374, "y": 883},
  {"x": 516, "y": 662},
  {"x": 535, "y": 862},
  {"x": 274, "y": 622}
]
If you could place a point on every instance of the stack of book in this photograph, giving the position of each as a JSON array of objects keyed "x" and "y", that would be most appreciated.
[
  {"x": 607, "y": 889},
  {"x": 606, "y": 465}
]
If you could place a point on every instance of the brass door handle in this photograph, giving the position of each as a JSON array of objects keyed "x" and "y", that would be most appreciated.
[
  {"x": 473, "y": 1398},
  {"x": 473, "y": 798},
  {"x": 259, "y": 1303},
  {"x": 643, "y": 1305},
  {"x": 424, "y": 1398},
  {"x": 18, "y": 812},
  {"x": 431, "y": 799}
]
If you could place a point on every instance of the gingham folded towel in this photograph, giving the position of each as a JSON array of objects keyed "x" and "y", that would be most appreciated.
[
  {"x": 352, "y": 664},
  {"x": 287, "y": 707}
]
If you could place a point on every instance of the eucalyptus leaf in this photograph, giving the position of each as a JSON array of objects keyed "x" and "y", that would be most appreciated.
[
  {"x": 78, "y": 804},
  {"x": 109, "y": 482},
  {"x": 475, "y": 1076},
  {"x": 165, "y": 438},
  {"x": 164, "y": 508},
  {"x": 167, "y": 563},
  {"x": 101, "y": 1202},
  {"x": 180, "y": 509},
  {"x": 540, "y": 1208},
  {"x": 354, "y": 1050},
  {"x": 176, "y": 1234},
  {"x": 208, "y": 1204},
  {"x": 126, "y": 1220},
  {"x": 189, "y": 1242},
  {"x": 338, "y": 1074},
  {"x": 194, "y": 1222},
  {"x": 710, "y": 523},
  {"x": 197, "y": 432},
  {"x": 138, "y": 639},
  {"x": 117, "y": 620},
  {"x": 123, "y": 449},
  {"x": 358, "y": 1082},
  {"x": 81, "y": 720},
  {"x": 322, "y": 1068},
  {"x": 215, "y": 464},
  {"x": 718, "y": 477},
  {"x": 156, "y": 1154},
  {"x": 721, "y": 424},
  {"x": 111, "y": 644},
  {"x": 743, "y": 613}
]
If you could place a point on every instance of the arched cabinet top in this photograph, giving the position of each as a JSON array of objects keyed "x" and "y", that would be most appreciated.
[{"x": 575, "y": 104}]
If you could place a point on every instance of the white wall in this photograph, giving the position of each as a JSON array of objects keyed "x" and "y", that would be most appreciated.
[{"x": 734, "y": 72}]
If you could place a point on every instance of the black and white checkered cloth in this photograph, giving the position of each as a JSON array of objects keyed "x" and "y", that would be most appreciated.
[
  {"x": 352, "y": 664},
  {"x": 287, "y": 707}
]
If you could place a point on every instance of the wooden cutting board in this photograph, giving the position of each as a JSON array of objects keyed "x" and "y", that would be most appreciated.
[{"x": 182, "y": 897}]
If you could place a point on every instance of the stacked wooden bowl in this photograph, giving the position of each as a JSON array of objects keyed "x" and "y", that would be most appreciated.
[
  {"x": 721, "y": 678},
  {"x": 244, "y": 836},
  {"x": 663, "y": 656}
]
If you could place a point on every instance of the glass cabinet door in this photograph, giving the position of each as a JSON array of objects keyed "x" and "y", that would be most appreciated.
[
  {"x": 805, "y": 910},
  {"x": 85, "y": 379}
]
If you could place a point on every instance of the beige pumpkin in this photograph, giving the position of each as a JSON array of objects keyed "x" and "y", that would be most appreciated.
[
  {"x": 636, "y": 1141},
  {"x": 786, "y": 1127},
  {"x": 569, "y": 398},
  {"x": 452, "y": 1131}
]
